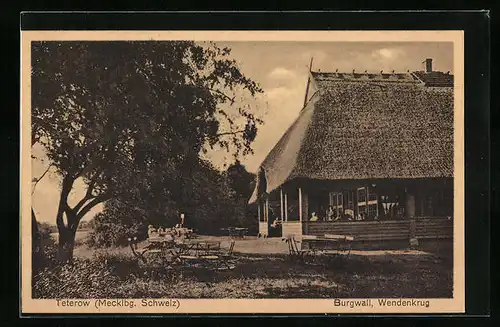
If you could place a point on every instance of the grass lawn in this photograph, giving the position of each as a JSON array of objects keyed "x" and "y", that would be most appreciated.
[{"x": 264, "y": 271}]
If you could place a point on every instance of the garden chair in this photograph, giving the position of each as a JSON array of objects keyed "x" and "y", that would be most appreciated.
[
  {"x": 148, "y": 253},
  {"x": 340, "y": 251},
  {"x": 296, "y": 252},
  {"x": 343, "y": 244},
  {"x": 153, "y": 260},
  {"x": 222, "y": 259},
  {"x": 226, "y": 258},
  {"x": 139, "y": 253}
]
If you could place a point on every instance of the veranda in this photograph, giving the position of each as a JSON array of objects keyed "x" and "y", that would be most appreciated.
[{"x": 369, "y": 210}]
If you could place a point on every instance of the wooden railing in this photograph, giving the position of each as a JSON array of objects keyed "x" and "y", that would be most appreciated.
[{"x": 423, "y": 228}]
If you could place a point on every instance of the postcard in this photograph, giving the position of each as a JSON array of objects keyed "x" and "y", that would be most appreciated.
[{"x": 284, "y": 172}]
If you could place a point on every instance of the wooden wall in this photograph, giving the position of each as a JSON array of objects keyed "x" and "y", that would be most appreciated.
[
  {"x": 291, "y": 228},
  {"x": 425, "y": 228},
  {"x": 434, "y": 228},
  {"x": 263, "y": 228}
]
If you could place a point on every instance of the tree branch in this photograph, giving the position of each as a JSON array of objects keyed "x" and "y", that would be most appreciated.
[
  {"x": 67, "y": 185},
  {"x": 223, "y": 94},
  {"x": 34, "y": 138},
  {"x": 230, "y": 133},
  {"x": 90, "y": 166},
  {"x": 88, "y": 194},
  {"x": 40, "y": 178},
  {"x": 91, "y": 204}
]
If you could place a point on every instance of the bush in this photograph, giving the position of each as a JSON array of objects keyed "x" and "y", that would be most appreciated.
[
  {"x": 47, "y": 255},
  {"x": 104, "y": 275},
  {"x": 98, "y": 277},
  {"x": 109, "y": 231}
]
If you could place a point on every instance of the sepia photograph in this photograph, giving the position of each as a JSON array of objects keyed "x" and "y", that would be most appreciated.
[{"x": 301, "y": 166}]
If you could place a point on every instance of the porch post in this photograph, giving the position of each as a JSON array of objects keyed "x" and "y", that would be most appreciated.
[
  {"x": 300, "y": 205},
  {"x": 267, "y": 210},
  {"x": 409, "y": 204},
  {"x": 422, "y": 205},
  {"x": 258, "y": 210},
  {"x": 286, "y": 206},
  {"x": 305, "y": 206},
  {"x": 281, "y": 204}
]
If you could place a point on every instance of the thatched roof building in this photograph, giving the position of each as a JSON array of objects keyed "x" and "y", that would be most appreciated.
[{"x": 361, "y": 126}]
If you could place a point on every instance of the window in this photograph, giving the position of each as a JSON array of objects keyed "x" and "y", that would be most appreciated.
[
  {"x": 367, "y": 203},
  {"x": 336, "y": 201},
  {"x": 362, "y": 195},
  {"x": 362, "y": 202},
  {"x": 362, "y": 210},
  {"x": 372, "y": 210}
]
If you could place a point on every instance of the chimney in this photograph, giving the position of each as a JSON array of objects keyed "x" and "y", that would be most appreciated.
[{"x": 427, "y": 65}]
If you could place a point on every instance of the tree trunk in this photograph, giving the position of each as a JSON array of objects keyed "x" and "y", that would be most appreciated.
[
  {"x": 67, "y": 231},
  {"x": 66, "y": 244},
  {"x": 66, "y": 235},
  {"x": 36, "y": 250},
  {"x": 34, "y": 232}
]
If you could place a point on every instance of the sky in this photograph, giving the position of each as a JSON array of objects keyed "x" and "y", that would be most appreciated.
[{"x": 281, "y": 69}]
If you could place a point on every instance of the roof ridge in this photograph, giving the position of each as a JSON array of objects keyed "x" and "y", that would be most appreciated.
[
  {"x": 283, "y": 140},
  {"x": 378, "y": 72},
  {"x": 304, "y": 137},
  {"x": 400, "y": 77}
]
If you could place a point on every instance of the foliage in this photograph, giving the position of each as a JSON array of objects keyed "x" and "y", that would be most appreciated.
[
  {"x": 241, "y": 181},
  {"x": 86, "y": 278},
  {"x": 131, "y": 118},
  {"x": 115, "y": 224},
  {"x": 45, "y": 229},
  {"x": 84, "y": 225},
  {"x": 48, "y": 247},
  {"x": 205, "y": 197}
]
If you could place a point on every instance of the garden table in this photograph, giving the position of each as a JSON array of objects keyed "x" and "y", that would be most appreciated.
[
  {"x": 207, "y": 247},
  {"x": 236, "y": 232},
  {"x": 185, "y": 251},
  {"x": 329, "y": 243},
  {"x": 208, "y": 254}
]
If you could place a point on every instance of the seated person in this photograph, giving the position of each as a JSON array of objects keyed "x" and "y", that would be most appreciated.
[
  {"x": 329, "y": 213},
  {"x": 171, "y": 232},
  {"x": 349, "y": 214},
  {"x": 152, "y": 231},
  {"x": 177, "y": 230},
  {"x": 168, "y": 237},
  {"x": 314, "y": 217}
]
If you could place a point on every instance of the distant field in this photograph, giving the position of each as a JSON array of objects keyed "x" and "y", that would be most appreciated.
[{"x": 80, "y": 235}]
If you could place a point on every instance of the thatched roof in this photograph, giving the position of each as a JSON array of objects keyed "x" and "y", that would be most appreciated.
[
  {"x": 366, "y": 127},
  {"x": 435, "y": 79}
]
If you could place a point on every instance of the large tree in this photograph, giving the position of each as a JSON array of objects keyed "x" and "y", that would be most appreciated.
[
  {"x": 241, "y": 181},
  {"x": 204, "y": 196},
  {"x": 114, "y": 114}
]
